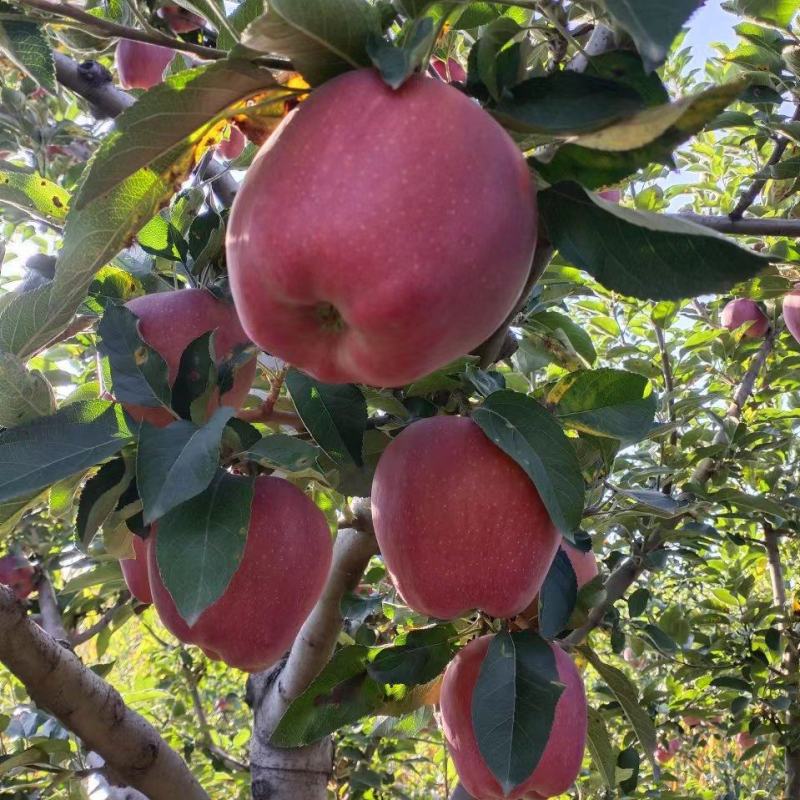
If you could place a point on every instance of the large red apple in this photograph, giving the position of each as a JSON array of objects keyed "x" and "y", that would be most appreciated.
[
  {"x": 561, "y": 760},
  {"x": 791, "y": 311},
  {"x": 380, "y": 234},
  {"x": 18, "y": 574},
  {"x": 459, "y": 523},
  {"x": 180, "y": 20},
  {"x": 281, "y": 576},
  {"x": 170, "y": 321},
  {"x": 141, "y": 65},
  {"x": 739, "y": 312},
  {"x": 134, "y": 570}
]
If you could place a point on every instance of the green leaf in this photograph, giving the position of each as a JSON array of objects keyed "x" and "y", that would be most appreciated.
[
  {"x": 524, "y": 430},
  {"x": 138, "y": 373},
  {"x": 182, "y": 109},
  {"x": 487, "y": 51},
  {"x": 651, "y": 136},
  {"x": 558, "y": 596},
  {"x": 514, "y": 705},
  {"x": 607, "y": 402},
  {"x": 334, "y": 414},
  {"x": 176, "y": 463},
  {"x": 637, "y": 602},
  {"x": 26, "y": 45},
  {"x": 284, "y": 452},
  {"x": 565, "y": 103},
  {"x": 397, "y": 63},
  {"x": 196, "y": 379},
  {"x": 777, "y": 12},
  {"x": 23, "y": 319},
  {"x": 600, "y": 748},
  {"x": 24, "y": 394},
  {"x": 416, "y": 657},
  {"x": 688, "y": 259},
  {"x": 661, "y": 640},
  {"x": 240, "y": 18},
  {"x": 626, "y": 67},
  {"x": 49, "y": 449},
  {"x": 323, "y": 38},
  {"x": 100, "y": 496},
  {"x": 34, "y": 195},
  {"x": 200, "y": 543},
  {"x": 653, "y": 24},
  {"x": 554, "y": 322},
  {"x": 341, "y": 694},
  {"x": 626, "y": 695}
]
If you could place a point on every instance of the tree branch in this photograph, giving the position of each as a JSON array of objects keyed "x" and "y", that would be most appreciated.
[
  {"x": 769, "y": 226},
  {"x": 84, "y": 703},
  {"x": 80, "y": 637},
  {"x": 48, "y": 606},
  {"x": 772, "y": 546}
]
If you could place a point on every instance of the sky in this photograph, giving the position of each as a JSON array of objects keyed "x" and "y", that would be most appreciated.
[{"x": 710, "y": 24}]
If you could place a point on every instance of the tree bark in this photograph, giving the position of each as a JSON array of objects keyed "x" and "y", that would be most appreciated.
[{"x": 85, "y": 704}]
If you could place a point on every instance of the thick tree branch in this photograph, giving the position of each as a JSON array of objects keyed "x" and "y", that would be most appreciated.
[
  {"x": 57, "y": 680},
  {"x": 80, "y": 637},
  {"x": 769, "y": 226},
  {"x": 772, "y": 546}
]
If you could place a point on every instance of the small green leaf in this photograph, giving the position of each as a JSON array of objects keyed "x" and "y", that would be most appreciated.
[
  {"x": 200, "y": 543},
  {"x": 558, "y": 596},
  {"x": 600, "y": 747},
  {"x": 524, "y": 430},
  {"x": 637, "y": 602},
  {"x": 514, "y": 705},
  {"x": 35, "y": 195},
  {"x": 99, "y": 497},
  {"x": 49, "y": 449},
  {"x": 24, "y": 394},
  {"x": 284, "y": 452},
  {"x": 334, "y": 414}
]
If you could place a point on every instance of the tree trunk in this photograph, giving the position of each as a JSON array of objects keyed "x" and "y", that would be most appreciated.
[{"x": 301, "y": 774}]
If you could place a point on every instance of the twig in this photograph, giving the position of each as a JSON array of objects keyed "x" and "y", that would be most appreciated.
[
  {"x": 769, "y": 226},
  {"x": 669, "y": 385},
  {"x": 80, "y": 637},
  {"x": 754, "y": 190},
  {"x": 48, "y": 606}
]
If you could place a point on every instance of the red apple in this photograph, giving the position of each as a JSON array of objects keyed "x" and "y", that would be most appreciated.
[
  {"x": 612, "y": 195},
  {"x": 232, "y": 147},
  {"x": 691, "y": 721},
  {"x": 450, "y": 70},
  {"x": 791, "y": 311},
  {"x": 180, "y": 20},
  {"x": 561, "y": 760},
  {"x": 744, "y": 741},
  {"x": 739, "y": 312},
  {"x": 281, "y": 576},
  {"x": 134, "y": 570},
  {"x": 141, "y": 65},
  {"x": 380, "y": 234},
  {"x": 674, "y": 745},
  {"x": 662, "y": 755},
  {"x": 583, "y": 563},
  {"x": 18, "y": 574},
  {"x": 170, "y": 321},
  {"x": 459, "y": 523},
  {"x": 631, "y": 658}
]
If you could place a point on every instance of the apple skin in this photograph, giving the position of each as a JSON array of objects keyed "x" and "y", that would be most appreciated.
[
  {"x": 232, "y": 147},
  {"x": 283, "y": 570},
  {"x": 134, "y": 570},
  {"x": 179, "y": 19},
  {"x": 740, "y": 311},
  {"x": 459, "y": 523},
  {"x": 583, "y": 563},
  {"x": 562, "y": 757},
  {"x": 791, "y": 312},
  {"x": 612, "y": 195},
  {"x": 744, "y": 741},
  {"x": 381, "y": 234},
  {"x": 141, "y": 65},
  {"x": 170, "y": 321},
  {"x": 18, "y": 574},
  {"x": 450, "y": 70},
  {"x": 662, "y": 755}
]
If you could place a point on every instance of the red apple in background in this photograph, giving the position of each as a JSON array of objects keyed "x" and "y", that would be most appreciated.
[
  {"x": 170, "y": 321},
  {"x": 739, "y": 312},
  {"x": 281, "y": 576},
  {"x": 744, "y": 741},
  {"x": 380, "y": 234},
  {"x": 584, "y": 563},
  {"x": 141, "y": 65},
  {"x": 791, "y": 312},
  {"x": 691, "y": 721},
  {"x": 459, "y": 523},
  {"x": 180, "y": 20},
  {"x": 631, "y": 658},
  {"x": 674, "y": 745},
  {"x": 612, "y": 195},
  {"x": 18, "y": 574},
  {"x": 134, "y": 570},
  {"x": 662, "y": 755},
  {"x": 232, "y": 147},
  {"x": 450, "y": 70},
  {"x": 561, "y": 760}
]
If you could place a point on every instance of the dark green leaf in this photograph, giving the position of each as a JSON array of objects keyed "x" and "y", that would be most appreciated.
[
  {"x": 340, "y": 695},
  {"x": 176, "y": 463},
  {"x": 524, "y": 430},
  {"x": 732, "y": 682},
  {"x": 601, "y": 749},
  {"x": 689, "y": 260},
  {"x": 561, "y": 325},
  {"x": 416, "y": 656},
  {"x": 200, "y": 543},
  {"x": 514, "y": 705},
  {"x": 100, "y": 496},
  {"x": 397, "y": 63},
  {"x": 626, "y": 67},
  {"x": 196, "y": 379},
  {"x": 488, "y": 48},
  {"x": 334, "y": 414},
  {"x": 47, "y": 450},
  {"x": 660, "y": 639},
  {"x": 637, "y": 602},
  {"x": 558, "y": 596}
]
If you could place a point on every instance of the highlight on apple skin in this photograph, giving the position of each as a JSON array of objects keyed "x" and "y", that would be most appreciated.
[
  {"x": 134, "y": 570},
  {"x": 739, "y": 312},
  {"x": 232, "y": 147},
  {"x": 141, "y": 65},
  {"x": 283, "y": 570},
  {"x": 170, "y": 321},
  {"x": 459, "y": 523},
  {"x": 340, "y": 266},
  {"x": 18, "y": 574},
  {"x": 561, "y": 760},
  {"x": 791, "y": 312},
  {"x": 180, "y": 20}
]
